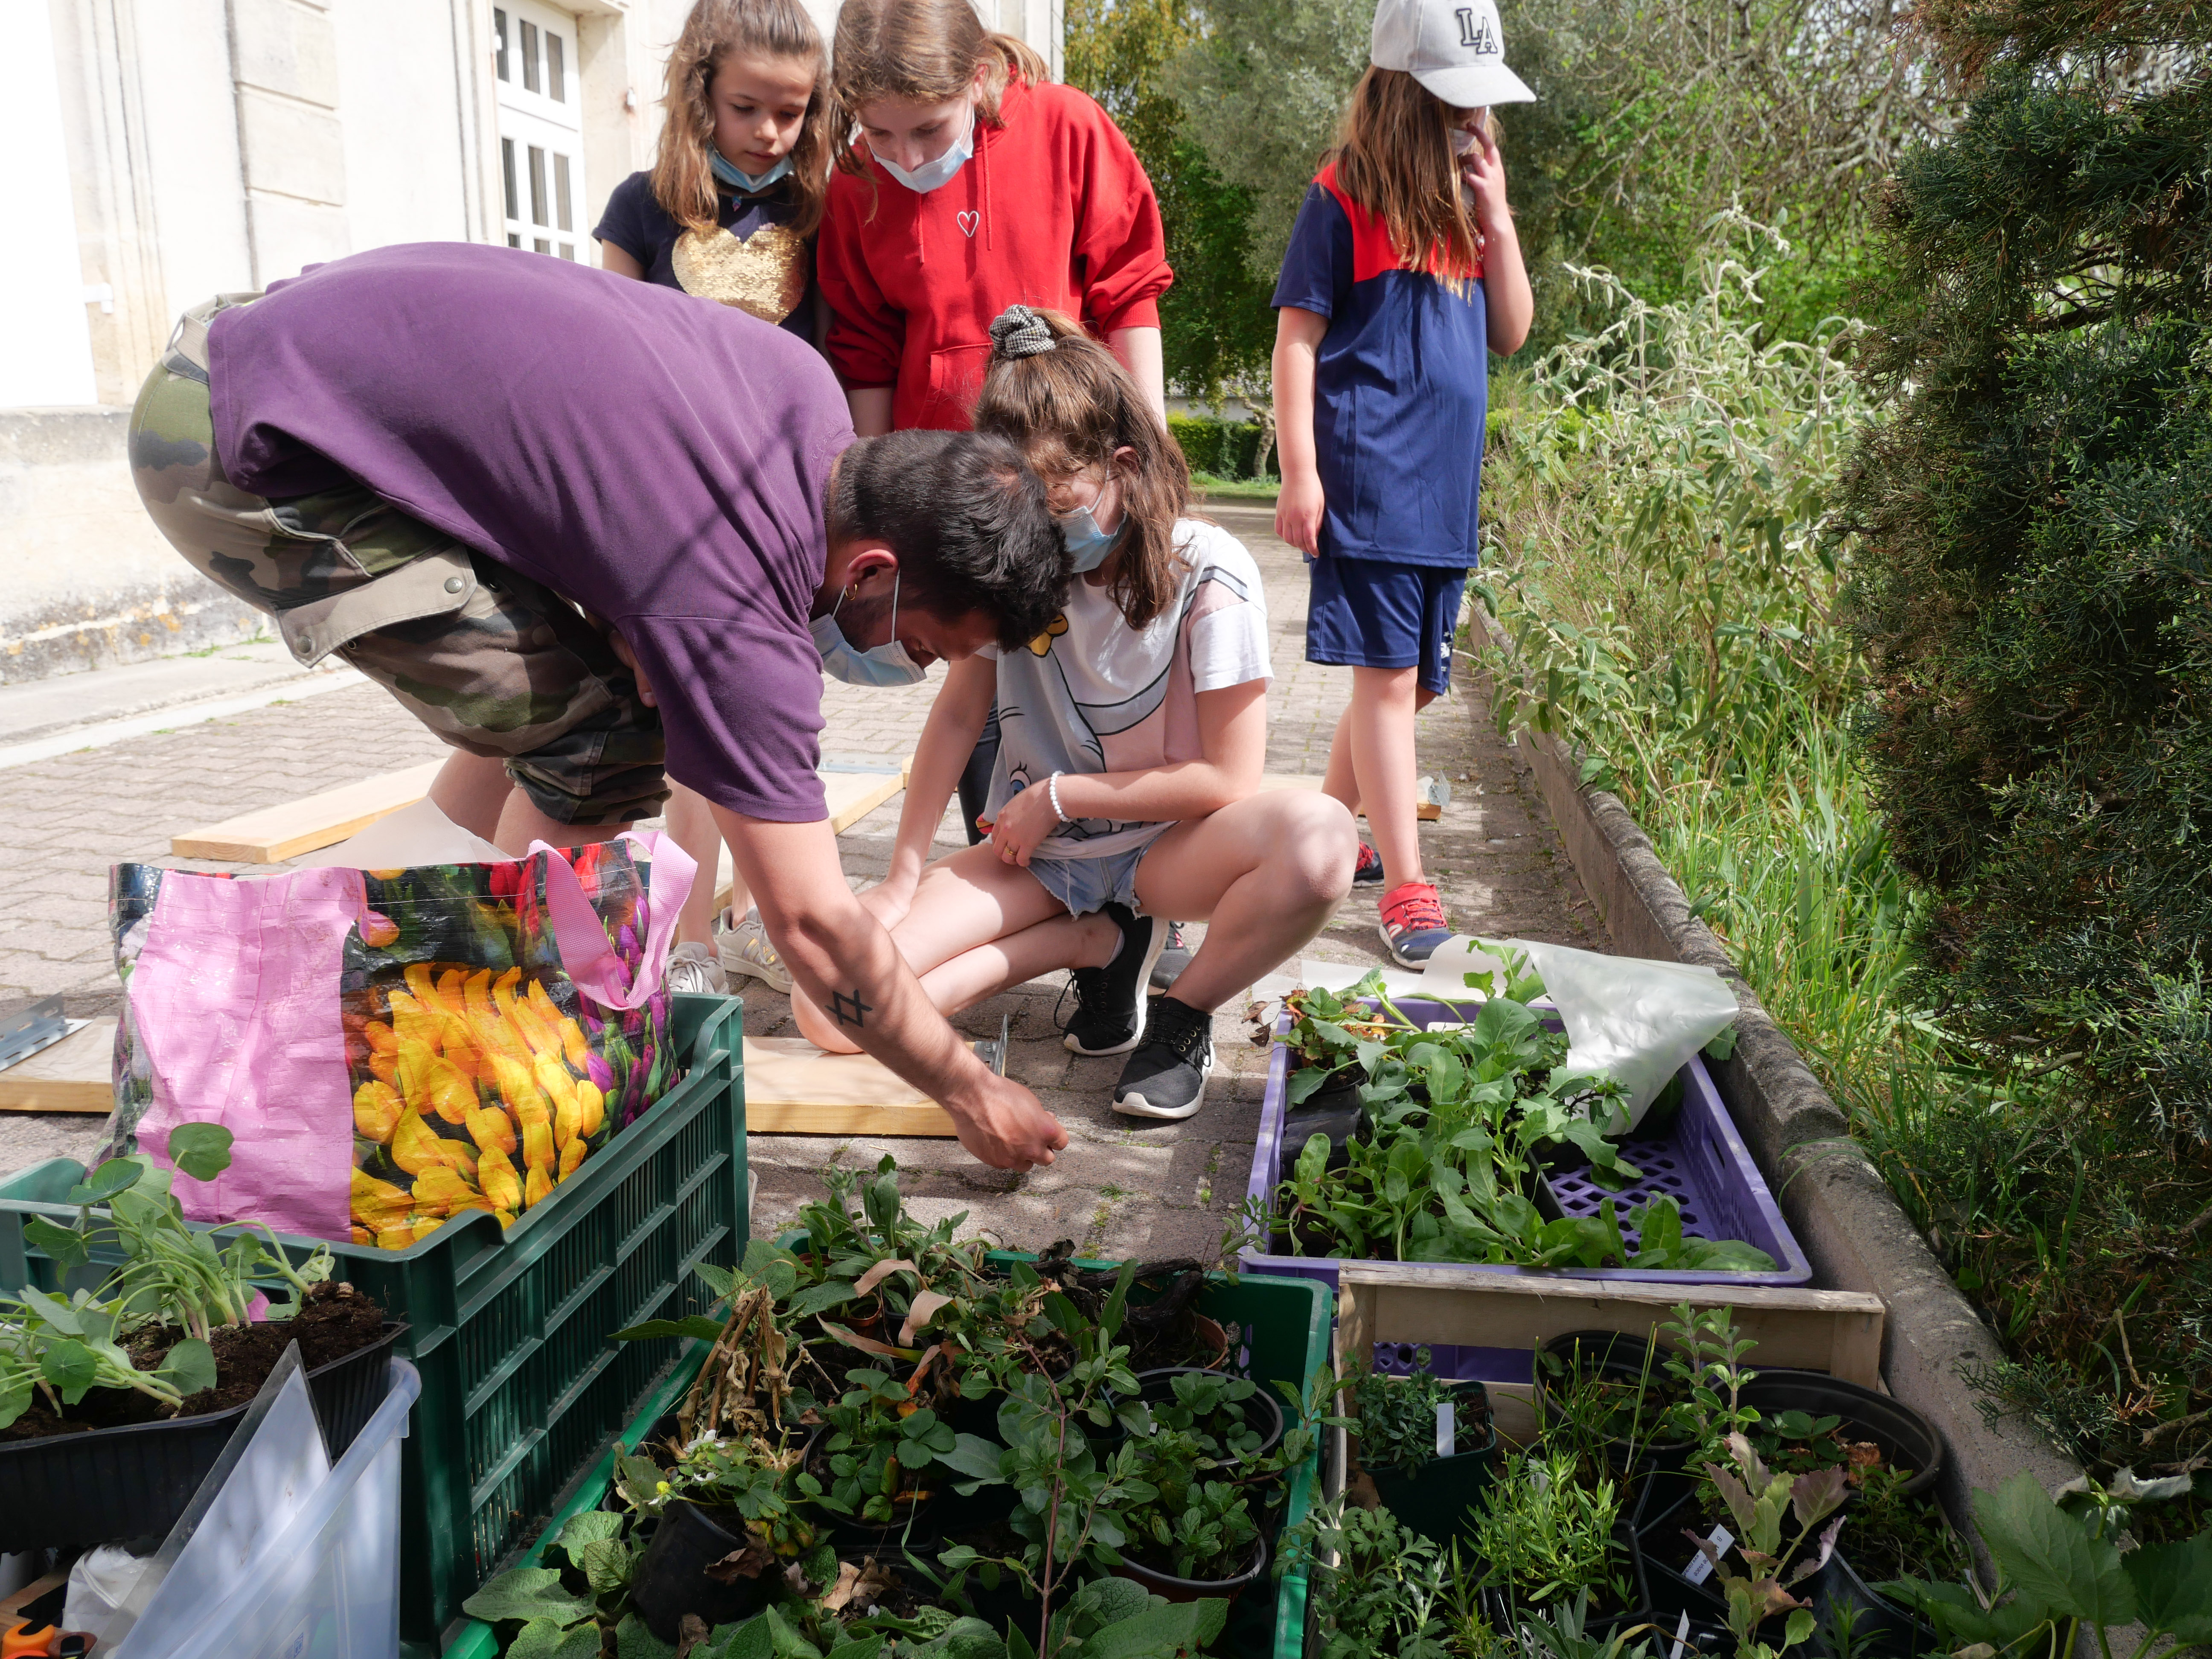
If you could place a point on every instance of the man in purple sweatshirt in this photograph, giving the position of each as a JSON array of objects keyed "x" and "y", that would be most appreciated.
[{"x": 596, "y": 532}]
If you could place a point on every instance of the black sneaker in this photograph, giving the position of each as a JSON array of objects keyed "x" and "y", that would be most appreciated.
[
  {"x": 1166, "y": 1078},
  {"x": 1109, "y": 1001},
  {"x": 1367, "y": 872},
  {"x": 1174, "y": 957}
]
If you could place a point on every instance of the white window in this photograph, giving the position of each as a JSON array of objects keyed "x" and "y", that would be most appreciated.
[{"x": 541, "y": 122}]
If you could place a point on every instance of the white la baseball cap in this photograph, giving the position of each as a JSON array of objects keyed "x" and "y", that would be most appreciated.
[{"x": 1453, "y": 47}]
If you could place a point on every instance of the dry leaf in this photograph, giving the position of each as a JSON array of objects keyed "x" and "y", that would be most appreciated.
[
  {"x": 865, "y": 1344},
  {"x": 926, "y": 1304},
  {"x": 754, "y": 1559},
  {"x": 691, "y": 1633},
  {"x": 883, "y": 1270},
  {"x": 848, "y": 1580}
]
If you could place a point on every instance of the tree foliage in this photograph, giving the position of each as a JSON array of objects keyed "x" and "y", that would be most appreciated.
[
  {"x": 2036, "y": 509},
  {"x": 1651, "y": 117},
  {"x": 1216, "y": 327}
]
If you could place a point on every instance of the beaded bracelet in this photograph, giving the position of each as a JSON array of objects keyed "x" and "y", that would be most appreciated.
[{"x": 1051, "y": 793}]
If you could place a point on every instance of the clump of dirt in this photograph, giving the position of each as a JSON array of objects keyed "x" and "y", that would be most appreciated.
[{"x": 334, "y": 1321}]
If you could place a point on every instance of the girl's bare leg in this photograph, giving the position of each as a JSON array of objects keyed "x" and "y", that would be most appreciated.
[
  {"x": 472, "y": 790},
  {"x": 520, "y": 822},
  {"x": 975, "y": 905},
  {"x": 691, "y": 827},
  {"x": 1264, "y": 874},
  {"x": 1371, "y": 765}
]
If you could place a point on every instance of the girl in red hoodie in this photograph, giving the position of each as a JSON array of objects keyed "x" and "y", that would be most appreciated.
[{"x": 972, "y": 183}]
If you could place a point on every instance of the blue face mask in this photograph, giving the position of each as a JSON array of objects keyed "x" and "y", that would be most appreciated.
[
  {"x": 930, "y": 174},
  {"x": 880, "y": 664},
  {"x": 1087, "y": 543},
  {"x": 740, "y": 179}
]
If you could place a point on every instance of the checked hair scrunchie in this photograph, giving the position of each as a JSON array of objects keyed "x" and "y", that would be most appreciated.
[{"x": 1018, "y": 332}]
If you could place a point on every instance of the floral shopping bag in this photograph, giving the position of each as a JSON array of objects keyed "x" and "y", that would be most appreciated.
[{"x": 393, "y": 1048}]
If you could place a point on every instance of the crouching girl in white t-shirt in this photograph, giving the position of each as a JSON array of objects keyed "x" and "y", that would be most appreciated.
[{"x": 1131, "y": 738}]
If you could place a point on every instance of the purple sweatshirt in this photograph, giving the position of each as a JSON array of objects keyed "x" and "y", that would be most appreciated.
[{"x": 661, "y": 462}]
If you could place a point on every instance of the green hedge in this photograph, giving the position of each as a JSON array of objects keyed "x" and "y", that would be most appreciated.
[{"x": 1226, "y": 449}]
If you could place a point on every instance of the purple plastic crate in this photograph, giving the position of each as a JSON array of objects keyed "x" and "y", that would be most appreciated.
[{"x": 1700, "y": 1160}]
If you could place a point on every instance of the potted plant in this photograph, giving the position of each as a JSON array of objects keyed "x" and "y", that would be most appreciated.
[
  {"x": 864, "y": 1465},
  {"x": 1426, "y": 1445},
  {"x": 115, "y": 1403},
  {"x": 1232, "y": 1417},
  {"x": 729, "y": 1514},
  {"x": 1552, "y": 1526}
]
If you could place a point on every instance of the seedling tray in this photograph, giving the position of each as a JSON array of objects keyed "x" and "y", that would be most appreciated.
[
  {"x": 522, "y": 1391},
  {"x": 1283, "y": 1336},
  {"x": 1698, "y": 1158}
]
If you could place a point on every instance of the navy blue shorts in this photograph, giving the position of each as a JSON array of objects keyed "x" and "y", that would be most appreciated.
[{"x": 1375, "y": 613}]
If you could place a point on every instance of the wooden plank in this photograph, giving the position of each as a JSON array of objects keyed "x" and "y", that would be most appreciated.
[
  {"x": 793, "y": 1088},
  {"x": 1835, "y": 1331},
  {"x": 1427, "y": 810},
  {"x": 74, "y": 1075},
  {"x": 273, "y": 834},
  {"x": 852, "y": 797}
]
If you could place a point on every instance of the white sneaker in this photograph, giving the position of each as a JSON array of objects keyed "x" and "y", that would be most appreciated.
[
  {"x": 745, "y": 949},
  {"x": 693, "y": 970}
]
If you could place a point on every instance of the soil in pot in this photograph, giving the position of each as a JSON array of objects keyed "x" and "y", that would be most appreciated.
[
  {"x": 699, "y": 1561},
  {"x": 337, "y": 1320},
  {"x": 1613, "y": 1390}
]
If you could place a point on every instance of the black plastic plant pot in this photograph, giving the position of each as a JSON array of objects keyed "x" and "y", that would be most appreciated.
[
  {"x": 1613, "y": 1357},
  {"x": 919, "y": 1521},
  {"x": 1441, "y": 1499},
  {"x": 1504, "y": 1612},
  {"x": 1908, "y": 1440},
  {"x": 1157, "y": 1387},
  {"x": 1333, "y": 1110},
  {"x": 671, "y": 1577},
  {"x": 1880, "y": 1628},
  {"x": 1196, "y": 1589},
  {"x": 74, "y": 1491}
]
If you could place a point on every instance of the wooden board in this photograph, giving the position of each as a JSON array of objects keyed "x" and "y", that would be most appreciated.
[
  {"x": 1835, "y": 1331},
  {"x": 852, "y": 796},
  {"x": 285, "y": 831},
  {"x": 273, "y": 834},
  {"x": 793, "y": 1088},
  {"x": 1839, "y": 1332},
  {"x": 75, "y": 1075},
  {"x": 1427, "y": 810}
]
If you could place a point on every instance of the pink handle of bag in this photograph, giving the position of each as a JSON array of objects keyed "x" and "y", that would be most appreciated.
[{"x": 581, "y": 937}]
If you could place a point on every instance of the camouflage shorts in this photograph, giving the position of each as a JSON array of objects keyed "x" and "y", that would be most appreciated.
[{"x": 492, "y": 662}]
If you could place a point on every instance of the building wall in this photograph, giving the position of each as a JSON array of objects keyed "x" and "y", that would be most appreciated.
[{"x": 161, "y": 151}]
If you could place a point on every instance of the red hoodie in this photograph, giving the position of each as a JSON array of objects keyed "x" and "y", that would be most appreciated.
[{"x": 1053, "y": 209}]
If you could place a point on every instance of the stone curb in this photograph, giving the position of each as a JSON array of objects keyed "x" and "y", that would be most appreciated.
[{"x": 1851, "y": 1226}]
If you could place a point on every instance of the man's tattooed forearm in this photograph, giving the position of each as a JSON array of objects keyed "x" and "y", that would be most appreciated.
[{"x": 850, "y": 1009}]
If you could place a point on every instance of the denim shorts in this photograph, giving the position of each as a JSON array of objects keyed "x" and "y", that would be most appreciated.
[
  {"x": 1087, "y": 884},
  {"x": 1374, "y": 613}
]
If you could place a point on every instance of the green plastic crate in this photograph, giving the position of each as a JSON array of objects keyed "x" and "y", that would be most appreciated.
[
  {"x": 1286, "y": 1330},
  {"x": 522, "y": 1392}
]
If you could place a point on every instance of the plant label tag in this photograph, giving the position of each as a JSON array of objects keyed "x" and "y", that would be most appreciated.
[
  {"x": 1682, "y": 1631},
  {"x": 1722, "y": 1541},
  {"x": 1446, "y": 1436}
]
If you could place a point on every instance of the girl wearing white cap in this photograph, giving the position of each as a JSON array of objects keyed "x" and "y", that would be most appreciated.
[{"x": 1403, "y": 272}]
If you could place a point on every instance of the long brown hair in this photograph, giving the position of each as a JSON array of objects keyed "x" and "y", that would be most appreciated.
[
  {"x": 1394, "y": 157},
  {"x": 682, "y": 176},
  {"x": 1072, "y": 406},
  {"x": 922, "y": 52}
]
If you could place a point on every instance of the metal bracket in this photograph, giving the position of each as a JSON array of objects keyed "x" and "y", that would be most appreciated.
[
  {"x": 992, "y": 1051},
  {"x": 41, "y": 1025}
]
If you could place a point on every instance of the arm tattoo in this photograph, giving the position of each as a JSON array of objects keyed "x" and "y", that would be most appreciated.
[{"x": 849, "y": 1010}]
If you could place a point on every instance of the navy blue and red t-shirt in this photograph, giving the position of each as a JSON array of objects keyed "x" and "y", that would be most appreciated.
[{"x": 1399, "y": 387}]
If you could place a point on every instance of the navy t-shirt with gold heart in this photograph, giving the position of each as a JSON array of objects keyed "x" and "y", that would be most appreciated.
[{"x": 752, "y": 260}]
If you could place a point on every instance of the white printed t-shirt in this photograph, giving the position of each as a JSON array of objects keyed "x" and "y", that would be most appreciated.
[{"x": 1091, "y": 694}]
